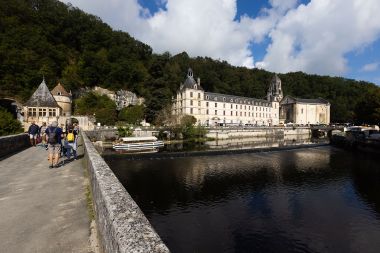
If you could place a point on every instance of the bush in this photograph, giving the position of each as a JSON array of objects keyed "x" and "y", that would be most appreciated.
[{"x": 8, "y": 124}]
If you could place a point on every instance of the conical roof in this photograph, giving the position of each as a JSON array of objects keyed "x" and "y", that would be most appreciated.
[
  {"x": 59, "y": 90},
  {"x": 42, "y": 97},
  {"x": 190, "y": 83}
]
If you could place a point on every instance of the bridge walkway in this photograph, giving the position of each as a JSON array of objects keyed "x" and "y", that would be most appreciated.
[{"x": 42, "y": 209}]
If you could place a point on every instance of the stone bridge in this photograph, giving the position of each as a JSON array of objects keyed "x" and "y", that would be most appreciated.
[
  {"x": 318, "y": 131},
  {"x": 54, "y": 210}
]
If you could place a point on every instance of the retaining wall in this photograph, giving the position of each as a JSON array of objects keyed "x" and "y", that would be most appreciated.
[
  {"x": 13, "y": 143},
  {"x": 122, "y": 227},
  {"x": 257, "y": 132}
]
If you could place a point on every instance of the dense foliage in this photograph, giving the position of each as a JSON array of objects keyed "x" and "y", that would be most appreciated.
[
  {"x": 99, "y": 106},
  {"x": 8, "y": 124},
  {"x": 132, "y": 115},
  {"x": 47, "y": 37}
]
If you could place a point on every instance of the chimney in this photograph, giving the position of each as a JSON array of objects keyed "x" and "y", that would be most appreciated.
[{"x": 199, "y": 81}]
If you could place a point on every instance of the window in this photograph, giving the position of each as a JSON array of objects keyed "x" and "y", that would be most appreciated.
[
  {"x": 224, "y": 112},
  {"x": 231, "y": 106},
  {"x": 224, "y": 99},
  {"x": 302, "y": 111},
  {"x": 245, "y": 107},
  {"x": 216, "y": 112},
  {"x": 52, "y": 112},
  {"x": 216, "y": 98},
  {"x": 241, "y": 107},
  {"x": 245, "y": 114},
  {"x": 32, "y": 112},
  {"x": 206, "y": 97},
  {"x": 199, "y": 95},
  {"x": 207, "y": 111},
  {"x": 236, "y": 106},
  {"x": 236, "y": 113},
  {"x": 59, "y": 93},
  {"x": 42, "y": 112},
  {"x": 216, "y": 105},
  {"x": 191, "y": 110},
  {"x": 191, "y": 94},
  {"x": 231, "y": 113},
  {"x": 207, "y": 104},
  {"x": 224, "y": 105},
  {"x": 240, "y": 114},
  {"x": 195, "y": 86},
  {"x": 199, "y": 103},
  {"x": 191, "y": 102}
]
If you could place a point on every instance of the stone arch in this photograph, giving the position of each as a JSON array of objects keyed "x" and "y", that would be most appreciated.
[{"x": 13, "y": 106}]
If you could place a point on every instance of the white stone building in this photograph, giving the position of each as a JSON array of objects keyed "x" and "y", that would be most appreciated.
[
  {"x": 211, "y": 109},
  {"x": 305, "y": 111}
]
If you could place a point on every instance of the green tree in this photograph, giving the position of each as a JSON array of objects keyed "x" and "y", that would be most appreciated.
[
  {"x": 132, "y": 114},
  {"x": 8, "y": 124},
  {"x": 102, "y": 107}
]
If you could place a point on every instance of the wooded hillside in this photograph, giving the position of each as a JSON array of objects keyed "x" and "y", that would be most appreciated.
[{"x": 47, "y": 37}]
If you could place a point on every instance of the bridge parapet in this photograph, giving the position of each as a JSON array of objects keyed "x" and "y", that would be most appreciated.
[
  {"x": 121, "y": 224},
  {"x": 12, "y": 143}
]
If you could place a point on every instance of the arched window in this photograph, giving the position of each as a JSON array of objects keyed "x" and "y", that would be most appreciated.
[{"x": 59, "y": 93}]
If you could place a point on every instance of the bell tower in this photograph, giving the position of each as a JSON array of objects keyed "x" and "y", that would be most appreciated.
[{"x": 275, "y": 90}]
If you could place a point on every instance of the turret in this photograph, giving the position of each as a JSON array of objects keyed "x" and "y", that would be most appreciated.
[{"x": 275, "y": 90}]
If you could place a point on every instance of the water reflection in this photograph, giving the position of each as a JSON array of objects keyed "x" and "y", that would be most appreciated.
[{"x": 309, "y": 200}]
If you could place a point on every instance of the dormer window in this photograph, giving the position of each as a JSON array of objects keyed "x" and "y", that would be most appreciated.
[
  {"x": 195, "y": 86},
  {"x": 206, "y": 97},
  {"x": 216, "y": 98},
  {"x": 59, "y": 93},
  {"x": 224, "y": 99}
]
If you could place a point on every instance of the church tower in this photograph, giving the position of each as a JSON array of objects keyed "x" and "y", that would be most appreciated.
[{"x": 275, "y": 90}]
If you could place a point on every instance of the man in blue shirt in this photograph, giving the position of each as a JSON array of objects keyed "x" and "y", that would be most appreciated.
[{"x": 53, "y": 139}]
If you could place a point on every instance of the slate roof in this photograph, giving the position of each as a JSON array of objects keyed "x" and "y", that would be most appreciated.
[
  {"x": 308, "y": 100},
  {"x": 210, "y": 96},
  {"x": 42, "y": 97},
  {"x": 59, "y": 89},
  {"x": 190, "y": 82}
]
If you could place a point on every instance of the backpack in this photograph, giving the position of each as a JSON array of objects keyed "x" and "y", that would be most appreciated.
[
  {"x": 70, "y": 136},
  {"x": 52, "y": 136}
]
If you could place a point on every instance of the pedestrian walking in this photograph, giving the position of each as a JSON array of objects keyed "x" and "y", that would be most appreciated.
[
  {"x": 63, "y": 148},
  {"x": 43, "y": 135},
  {"x": 71, "y": 142},
  {"x": 33, "y": 133},
  {"x": 53, "y": 139}
]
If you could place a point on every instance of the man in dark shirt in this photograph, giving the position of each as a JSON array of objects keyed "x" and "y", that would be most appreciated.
[
  {"x": 33, "y": 132},
  {"x": 53, "y": 139}
]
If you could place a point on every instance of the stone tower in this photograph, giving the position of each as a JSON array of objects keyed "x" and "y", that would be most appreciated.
[
  {"x": 275, "y": 90},
  {"x": 63, "y": 98}
]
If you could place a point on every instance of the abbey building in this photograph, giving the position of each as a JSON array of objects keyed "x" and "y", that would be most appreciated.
[{"x": 211, "y": 109}]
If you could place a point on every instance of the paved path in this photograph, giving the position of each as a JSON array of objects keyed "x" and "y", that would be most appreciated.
[{"x": 42, "y": 209}]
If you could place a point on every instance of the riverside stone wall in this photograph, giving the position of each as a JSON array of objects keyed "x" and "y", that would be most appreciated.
[
  {"x": 225, "y": 133},
  {"x": 13, "y": 143},
  {"x": 122, "y": 227}
]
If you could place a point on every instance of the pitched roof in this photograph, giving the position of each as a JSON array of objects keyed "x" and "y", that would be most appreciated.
[
  {"x": 59, "y": 90},
  {"x": 211, "y": 96},
  {"x": 305, "y": 100},
  {"x": 42, "y": 97}
]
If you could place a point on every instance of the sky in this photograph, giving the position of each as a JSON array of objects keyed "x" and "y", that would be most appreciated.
[{"x": 325, "y": 37}]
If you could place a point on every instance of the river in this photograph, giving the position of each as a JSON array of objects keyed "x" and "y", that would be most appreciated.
[{"x": 306, "y": 200}]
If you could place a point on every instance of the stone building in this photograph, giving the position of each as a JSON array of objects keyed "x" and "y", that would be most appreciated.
[
  {"x": 125, "y": 98},
  {"x": 212, "y": 109},
  {"x": 305, "y": 111},
  {"x": 63, "y": 98},
  {"x": 41, "y": 107}
]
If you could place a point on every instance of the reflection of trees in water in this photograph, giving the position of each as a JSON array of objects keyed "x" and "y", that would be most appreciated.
[
  {"x": 159, "y": 184},
  {"x": 366, "y": 179}
]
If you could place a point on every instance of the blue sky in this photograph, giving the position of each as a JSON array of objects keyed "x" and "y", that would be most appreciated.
[{"x": 326, "y": 37}]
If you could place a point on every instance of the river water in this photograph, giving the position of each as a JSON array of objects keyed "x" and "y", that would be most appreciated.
[{"x": 307, "y": 200}]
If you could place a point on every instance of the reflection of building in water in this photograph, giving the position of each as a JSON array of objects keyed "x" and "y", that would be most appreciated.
[{"x": 305, "y": 111}]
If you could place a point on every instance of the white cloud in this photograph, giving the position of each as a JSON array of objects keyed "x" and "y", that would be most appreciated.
[
  {"x": 316, "y": 37},
  {"x": 370, "y": 67}
]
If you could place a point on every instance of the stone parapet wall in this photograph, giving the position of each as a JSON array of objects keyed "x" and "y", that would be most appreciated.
[
  {"x": 122, "y": 227},
  {"x": 13, "y": 143}
]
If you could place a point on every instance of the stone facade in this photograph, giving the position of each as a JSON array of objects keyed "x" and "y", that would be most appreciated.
[
  {"x": 305, "y": 111},
  {"x": 212, "y": 109},
  {"x": 63, "y": 98},
  {"x": 41, "y": 107}
]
